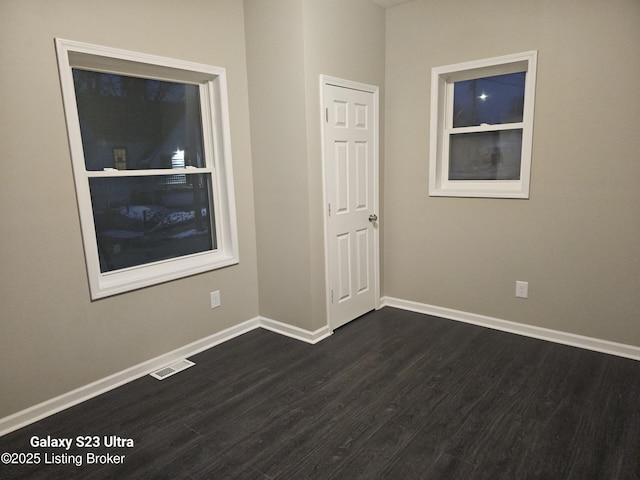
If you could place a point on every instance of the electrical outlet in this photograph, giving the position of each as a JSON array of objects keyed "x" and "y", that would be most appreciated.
[
  {"x": 522, "y": 289},
  {"x": 215, "y": 299}
]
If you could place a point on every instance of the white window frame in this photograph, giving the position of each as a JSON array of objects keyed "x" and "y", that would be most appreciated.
[
  {"x": 217, "y": 147},
  {"x": 442, "y": 87}
]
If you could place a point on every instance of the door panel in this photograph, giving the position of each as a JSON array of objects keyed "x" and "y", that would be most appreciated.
[
  {"x": 362, "y": 175},
  {"x": 341, "y": 177},
  {"x": 362, "y": 251},
  {"x": 361, "y": 114},
  {"x": 350, "y": 148},
  {"x": 343, "y": 287}
]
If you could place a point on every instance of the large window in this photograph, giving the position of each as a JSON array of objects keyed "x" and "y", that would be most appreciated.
[
  {"x": 149, "y": 139},
  {"x": 481, "y": 127}
]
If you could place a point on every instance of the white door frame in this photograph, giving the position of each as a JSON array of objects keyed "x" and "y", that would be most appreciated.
[{"x": 339, "y": 82}]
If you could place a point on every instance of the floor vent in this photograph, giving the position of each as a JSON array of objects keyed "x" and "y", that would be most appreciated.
[{"x": 172, "y": 369}]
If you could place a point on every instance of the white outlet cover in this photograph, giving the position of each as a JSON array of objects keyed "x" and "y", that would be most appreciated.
[
  {"x": 522, "y": 289},
  {"x": 215, "y": 299}
]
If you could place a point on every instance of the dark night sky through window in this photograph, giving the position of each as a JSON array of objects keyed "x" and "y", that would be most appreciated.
[{"x": 491, "y": 100}]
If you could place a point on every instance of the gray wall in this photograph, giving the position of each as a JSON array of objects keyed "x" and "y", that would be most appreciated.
[
  {"x": 344, "y": 39},
  {"x": 275, "y": 60},
  {"x": 290, "y": 43},
  {"x": 576, "y": 240},
  {"x": 54, "y": 339}
]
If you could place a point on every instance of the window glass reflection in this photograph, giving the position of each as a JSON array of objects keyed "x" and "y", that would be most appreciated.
[
  {"x": 486, "y": 155},
  {"x": 145, "y": 219},
  {"x": 130, "y": 123}
]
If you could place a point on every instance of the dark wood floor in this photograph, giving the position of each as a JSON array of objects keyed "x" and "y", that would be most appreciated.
[{"x": 393, "y": 395}]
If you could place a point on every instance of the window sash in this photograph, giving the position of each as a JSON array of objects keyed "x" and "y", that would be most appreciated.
[
  {"x": 217, "y": 153},
  {"x": 147, "y": 173},
  {"x": 442, "y": 110}
]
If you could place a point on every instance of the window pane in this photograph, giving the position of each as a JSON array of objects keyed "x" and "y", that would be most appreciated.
[
  {"x": 141, "y": 220},
  {"x": 485, "y": 155},
  {"x": 137, "y": 124},
  {"x": 490, "y": 100}
]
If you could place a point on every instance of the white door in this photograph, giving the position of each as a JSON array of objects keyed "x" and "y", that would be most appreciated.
[{"x": 350, "y": 136}]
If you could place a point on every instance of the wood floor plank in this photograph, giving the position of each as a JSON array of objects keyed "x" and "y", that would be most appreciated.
[{"x": 393, "y": 395}]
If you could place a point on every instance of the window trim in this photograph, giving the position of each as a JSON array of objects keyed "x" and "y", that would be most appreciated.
[
  {"x": 442, "y": 81},
  {"x": 217, "y": 146}
]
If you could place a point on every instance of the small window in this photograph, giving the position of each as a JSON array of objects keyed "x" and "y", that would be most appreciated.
[
  {"x": 481, "y": 127},
  {"x": 149, "y": 140}
]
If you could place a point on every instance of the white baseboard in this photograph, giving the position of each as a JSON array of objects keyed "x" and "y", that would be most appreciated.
[
  {"x": 588, "y": 343},
  {"x": 74, "y": 397},
  {"x": 49, "y": 407},
  {"x": 295, "y": 332}
]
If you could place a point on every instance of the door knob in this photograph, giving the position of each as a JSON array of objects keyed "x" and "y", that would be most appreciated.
[{"x": 373, "y": 218}]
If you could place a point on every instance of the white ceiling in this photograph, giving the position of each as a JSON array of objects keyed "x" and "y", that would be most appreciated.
[{"x": 389, "y": 3}]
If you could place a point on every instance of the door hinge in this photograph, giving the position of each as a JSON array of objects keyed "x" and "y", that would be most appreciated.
[
  {"x": 331, "y": 297},
  {"x": 326, "y": 114},
  {"x": 329, "y": 209}
]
